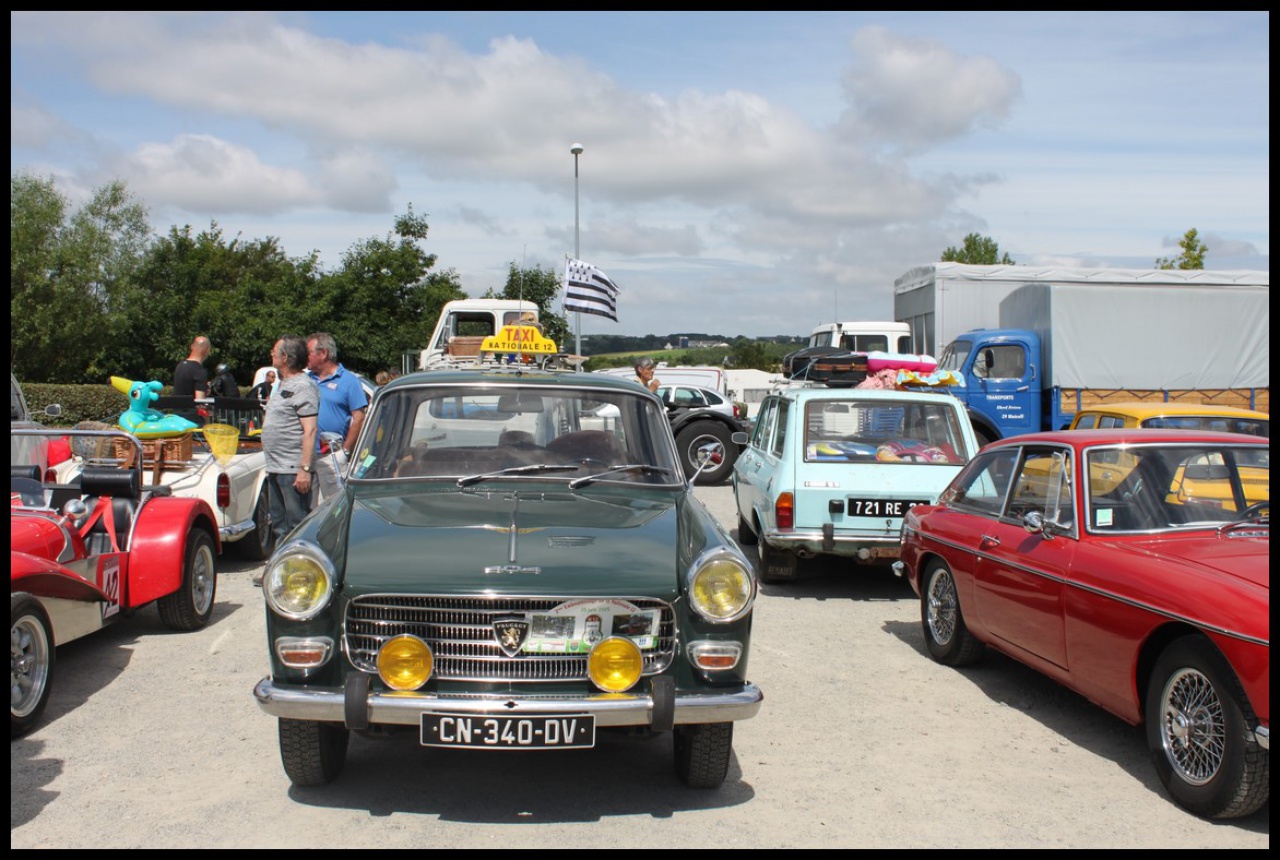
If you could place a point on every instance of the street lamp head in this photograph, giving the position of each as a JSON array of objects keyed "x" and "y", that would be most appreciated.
[{"x": 576, "y": 149}]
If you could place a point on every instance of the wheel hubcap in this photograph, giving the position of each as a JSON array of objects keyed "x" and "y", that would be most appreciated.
[
  {"x": 202, "y": 580},
  {"x": 942, "y": 608},
  {"x": 28, "y": 665},
  {"x": 1192, "y": 729}
]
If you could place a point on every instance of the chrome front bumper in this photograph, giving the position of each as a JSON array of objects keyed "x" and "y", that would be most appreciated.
[{"x": 609, "y": 709}]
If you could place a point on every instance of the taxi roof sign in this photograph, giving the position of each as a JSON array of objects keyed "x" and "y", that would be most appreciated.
[{"x": 519, "y": 339}]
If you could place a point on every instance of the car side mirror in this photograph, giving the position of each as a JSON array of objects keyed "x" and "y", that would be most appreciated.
[{"x": 1035, "y": 523}]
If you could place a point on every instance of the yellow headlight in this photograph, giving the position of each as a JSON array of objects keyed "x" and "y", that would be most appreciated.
[
  {"x": 721, "y": 589},
  {"x": 614, "y": 665},
  {"x": 299, "y": 584},
  {"x": 405, "y": 662}
]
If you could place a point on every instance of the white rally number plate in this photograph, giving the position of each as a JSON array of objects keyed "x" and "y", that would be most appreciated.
[{"x": 533, "y": 732}]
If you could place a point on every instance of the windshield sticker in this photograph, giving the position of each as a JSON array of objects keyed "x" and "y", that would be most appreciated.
[{"x": 575, "y": 626}]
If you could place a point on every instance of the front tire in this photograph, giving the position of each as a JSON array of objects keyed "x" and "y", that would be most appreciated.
[
  {"x": 702, "y": 753},
  {"x": 191, "y": 606},
  {"x": 945, "y": 633},
  {"x": 313, "y": 753},
  {"x": 1199, "y": 727},
  {"x": 716, "y": 437},
  {"x": 31, "y": 660}
]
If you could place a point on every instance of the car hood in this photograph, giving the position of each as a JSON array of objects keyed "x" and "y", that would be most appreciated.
[
  {"x": 1237, "y": 554},
  {"x": 520, "y": 542}
]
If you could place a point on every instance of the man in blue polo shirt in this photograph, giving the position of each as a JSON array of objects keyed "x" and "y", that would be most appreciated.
[{"x": 342, "y": 408}]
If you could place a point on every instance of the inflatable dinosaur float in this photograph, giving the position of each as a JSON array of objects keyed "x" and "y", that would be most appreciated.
[{"x": 143, "y": 421}]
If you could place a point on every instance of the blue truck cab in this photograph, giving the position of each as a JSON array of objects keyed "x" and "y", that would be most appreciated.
[{"x": 1002, "y": 374}]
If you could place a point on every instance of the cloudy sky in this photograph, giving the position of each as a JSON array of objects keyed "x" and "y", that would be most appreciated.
[{"x": 742, "y": 173}]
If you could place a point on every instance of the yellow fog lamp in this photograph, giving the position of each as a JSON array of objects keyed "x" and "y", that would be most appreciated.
[
  {"x": 405, "y": 662},
  {"x": 614, "y": 664}
]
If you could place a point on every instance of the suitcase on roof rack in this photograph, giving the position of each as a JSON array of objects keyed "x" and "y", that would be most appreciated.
[{"x": 829, "y": 365}]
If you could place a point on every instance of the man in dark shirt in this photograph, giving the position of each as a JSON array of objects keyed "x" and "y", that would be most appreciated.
[{"x": 190, "y": 378}]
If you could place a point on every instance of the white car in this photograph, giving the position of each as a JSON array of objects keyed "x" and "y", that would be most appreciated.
[
  {"x": 236, "y": 490},
  {"x": 696, "y": 397}
]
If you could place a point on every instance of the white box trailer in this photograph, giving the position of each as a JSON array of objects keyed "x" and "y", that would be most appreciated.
[{"x": 942, "y": 300}]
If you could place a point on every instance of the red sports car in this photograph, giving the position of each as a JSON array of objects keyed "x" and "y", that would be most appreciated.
[
  {"x": 1131, "y": 566},
  {"x": 84, "y": 555}
]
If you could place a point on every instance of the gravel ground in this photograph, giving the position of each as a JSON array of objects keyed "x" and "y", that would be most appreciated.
[{"x": 152, "y": 740}]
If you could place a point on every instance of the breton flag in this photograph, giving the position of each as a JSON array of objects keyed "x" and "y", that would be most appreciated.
[{"x": 589, "y": 290}]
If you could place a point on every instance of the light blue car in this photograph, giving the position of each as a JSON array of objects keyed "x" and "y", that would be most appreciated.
[{"x": 831, "y": 471}]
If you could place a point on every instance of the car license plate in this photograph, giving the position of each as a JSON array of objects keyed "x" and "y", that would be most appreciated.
[
  {"x": 882, "y": 507},
  {"x": 534, "y": 732}
]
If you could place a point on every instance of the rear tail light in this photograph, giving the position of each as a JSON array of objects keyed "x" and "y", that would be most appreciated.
[
  {"x": 784, "y": 511},
  {"x": 50, "y": 476},
  {"x": 224, "y": 490}
]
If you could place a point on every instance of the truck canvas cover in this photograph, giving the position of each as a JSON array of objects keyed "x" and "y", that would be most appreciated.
[{"x": 1147, "y": 336}]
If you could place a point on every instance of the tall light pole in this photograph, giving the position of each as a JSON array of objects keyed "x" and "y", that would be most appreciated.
[{"x": 576, "y": 149}]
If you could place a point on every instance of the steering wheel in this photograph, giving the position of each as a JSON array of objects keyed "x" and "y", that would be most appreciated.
[{"x": 1254, "y": 510}]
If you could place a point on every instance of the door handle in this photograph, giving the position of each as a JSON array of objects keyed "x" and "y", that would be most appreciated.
[{"x": 989, "y": 540}]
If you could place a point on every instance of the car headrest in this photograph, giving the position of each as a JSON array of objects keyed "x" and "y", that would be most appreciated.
[
  {"x": 111, "y": 481},
  {"x": 32, "y": 472}
]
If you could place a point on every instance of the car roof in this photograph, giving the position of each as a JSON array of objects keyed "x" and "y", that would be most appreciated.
[
  {"x": 515, "y": 377},
  {"x": 1143, "y": 410},
  {"x": 1132, "y": 436},
  {"x": 822, "y": 392}
]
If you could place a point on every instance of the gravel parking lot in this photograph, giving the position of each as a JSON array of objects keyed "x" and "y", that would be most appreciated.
[{"x": 152, "y": 740}]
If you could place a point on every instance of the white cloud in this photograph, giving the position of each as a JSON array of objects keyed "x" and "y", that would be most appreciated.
[{"x": 693, "y": 182}]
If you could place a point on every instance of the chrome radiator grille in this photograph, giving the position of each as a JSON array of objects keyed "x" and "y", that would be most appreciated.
[{"x": 461, "y": 635}]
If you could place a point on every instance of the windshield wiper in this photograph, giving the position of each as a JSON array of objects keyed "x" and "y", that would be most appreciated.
[
  {"x": 467, "y": 480},
  {"x": 629, "y": 467}
]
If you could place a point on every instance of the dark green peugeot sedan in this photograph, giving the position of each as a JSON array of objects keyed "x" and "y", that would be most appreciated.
[{"x": 511, "y": 565}]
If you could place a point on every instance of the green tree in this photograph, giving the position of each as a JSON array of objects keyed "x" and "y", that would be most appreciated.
[
  {"x": 1192, "y": 256},
  {"x": 384, "y": 301},
  {"x": 70, "y": 276},
  {"x": 540, "y": 286},
  {"x": 242, "y": 295},
  {"x": 977, "y": 251}
]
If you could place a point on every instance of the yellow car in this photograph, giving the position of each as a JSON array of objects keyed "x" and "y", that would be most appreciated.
[{"x": 1174, "y": 416}]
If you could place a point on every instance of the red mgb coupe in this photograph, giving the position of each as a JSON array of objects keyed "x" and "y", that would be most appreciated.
[
  {"x": 85, "y": 555},
  {"x": 1130, "y": 566}
]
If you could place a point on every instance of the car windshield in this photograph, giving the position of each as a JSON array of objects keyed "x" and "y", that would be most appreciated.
[
  {"x": 885, "y": 431},
  {"x": 1166, "y": 487},
  {"x": 473, "y": 434}
]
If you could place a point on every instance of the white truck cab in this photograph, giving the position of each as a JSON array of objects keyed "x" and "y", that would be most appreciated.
[
  {"x": 864, "y": 336},
  {"x": 464, "y": 324}
]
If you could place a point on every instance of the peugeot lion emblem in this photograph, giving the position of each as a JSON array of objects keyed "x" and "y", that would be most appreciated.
[{"x": 511, "y": 633}]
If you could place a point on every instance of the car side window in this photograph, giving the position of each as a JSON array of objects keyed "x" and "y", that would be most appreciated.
[
  {"x": 1043, "y": 485},
  {"x": 982, "y": 486},
  {"x": 780, "y": 433},
  {"x": 1086, "y": 422},
  {"x": 763, "y": 433}
]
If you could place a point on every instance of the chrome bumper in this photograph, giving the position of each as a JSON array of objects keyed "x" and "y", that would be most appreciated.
[
  {"x": 866, "y": 545},
  {"x": 235, "y": 530},
  {"x": 406, "y": 709}
]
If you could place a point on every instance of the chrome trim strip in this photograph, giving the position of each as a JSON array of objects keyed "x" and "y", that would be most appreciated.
[{"x": 1102, "y": 593}]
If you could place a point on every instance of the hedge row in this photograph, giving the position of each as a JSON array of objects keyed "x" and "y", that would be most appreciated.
[{"x": 78, "y": 402}]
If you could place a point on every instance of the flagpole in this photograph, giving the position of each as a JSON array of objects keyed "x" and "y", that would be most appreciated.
[{"x": 576, "y": 149}]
